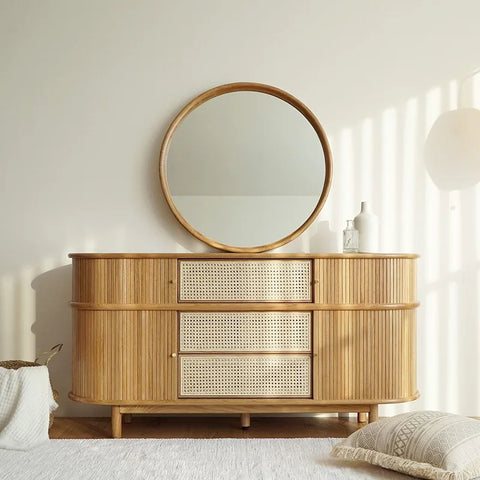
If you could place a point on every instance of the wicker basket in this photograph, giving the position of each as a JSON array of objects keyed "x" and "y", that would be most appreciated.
[{"x": 16, "y": 364}]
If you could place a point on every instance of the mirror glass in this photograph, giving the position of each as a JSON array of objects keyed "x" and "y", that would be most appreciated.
[{"x": 245, "y": 169}]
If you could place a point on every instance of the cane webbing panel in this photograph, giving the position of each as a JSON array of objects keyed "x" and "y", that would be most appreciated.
[
  {"x": 245, "y": 280},
  {"x": 245, "y": 331},
  {"x": 245, "y": 375}
]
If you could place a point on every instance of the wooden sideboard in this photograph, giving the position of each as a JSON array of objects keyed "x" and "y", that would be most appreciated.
[{"x": 243, "y": 333}]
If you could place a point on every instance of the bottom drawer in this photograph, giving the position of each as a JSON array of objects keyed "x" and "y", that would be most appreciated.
[{"x": 245, "y": 376}]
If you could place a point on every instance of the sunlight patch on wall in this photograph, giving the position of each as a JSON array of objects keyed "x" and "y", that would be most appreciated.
[
  {"x": 388, "y": 232},
  {"x": 450, "y": 378},
  {"x": 366, "y": 160},
  {"x": 454, "y": 231},
  {"x": 429, "y": 348},
  {"x": 452, "y": 95},
  {"x": 348, "y": 173},
  {"x": 407, "y": 190},
  {"x": 429, "y": 353},
  {"x": 433, "y": 107},
  {"x": 433, "y": 104}
]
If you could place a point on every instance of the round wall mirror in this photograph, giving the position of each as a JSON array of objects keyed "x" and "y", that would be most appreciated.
[{"x": 245, "y": 167}]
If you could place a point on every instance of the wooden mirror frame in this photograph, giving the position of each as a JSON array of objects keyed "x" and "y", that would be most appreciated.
[{"x": 239, "y": 87}]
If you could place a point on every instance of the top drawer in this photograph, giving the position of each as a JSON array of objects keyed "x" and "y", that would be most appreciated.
[{"x": 245, "y": 281}]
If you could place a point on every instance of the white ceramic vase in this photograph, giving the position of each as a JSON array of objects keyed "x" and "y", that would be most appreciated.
[{"x": 366, "y": 222}]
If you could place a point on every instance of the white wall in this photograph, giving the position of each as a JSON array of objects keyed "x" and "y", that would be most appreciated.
[{"x": 87, "y": 89}]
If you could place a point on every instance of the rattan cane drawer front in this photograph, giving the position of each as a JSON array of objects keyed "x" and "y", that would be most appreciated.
[
  {"x": 245, "y": 331},
  {"x": 245, "y": 376},
  {"x": 245, "y": 281}
]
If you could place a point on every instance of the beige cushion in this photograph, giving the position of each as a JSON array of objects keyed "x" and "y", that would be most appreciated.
[{"x": 433, "y": 445}]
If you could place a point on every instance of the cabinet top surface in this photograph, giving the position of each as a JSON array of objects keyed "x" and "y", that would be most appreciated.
[{"x": 242, "y": 255}]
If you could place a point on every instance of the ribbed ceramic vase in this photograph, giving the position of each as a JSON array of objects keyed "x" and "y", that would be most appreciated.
[{"x": 366, "y": 222}]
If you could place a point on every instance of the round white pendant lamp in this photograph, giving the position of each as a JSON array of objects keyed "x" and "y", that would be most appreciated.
[{"x": 452, "y": 149}]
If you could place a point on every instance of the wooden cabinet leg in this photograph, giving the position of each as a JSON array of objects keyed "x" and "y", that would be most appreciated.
[
  {"x": 362, "y": 417},
  {"x": 373, "y": 415},
  {"x": 116, "y": 422},
  {"x": 127, "y": 418},
  {"x": 245, "y": 420}
]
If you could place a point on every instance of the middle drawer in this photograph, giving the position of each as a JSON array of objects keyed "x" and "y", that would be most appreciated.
[{"x": 245, "y": 331}]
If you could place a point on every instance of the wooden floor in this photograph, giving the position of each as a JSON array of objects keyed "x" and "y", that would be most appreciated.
[{"x": 206, "y": 427}]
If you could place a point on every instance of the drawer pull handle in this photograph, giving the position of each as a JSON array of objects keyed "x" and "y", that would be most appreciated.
[{"x": 173, "y": 355}]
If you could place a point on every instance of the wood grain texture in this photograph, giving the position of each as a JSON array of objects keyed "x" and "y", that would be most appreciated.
[
  {"x": 245, "y": 407},
  {"x": 124, "y": 356},
  {"x": 246, "y": 307},
  {"x": 126, "y": 333},
  {"x": 365, "y": 355},
  {"x": 200, "y": 426},
  {"x": 124, "y": 281},
  {"x": 365, "y": 281},
  {"x": 116, "y": 422},
  {"x": 245, "y": 420},
  {"x": 210, "y": 405},
  {"x": 257, "y": 256}
]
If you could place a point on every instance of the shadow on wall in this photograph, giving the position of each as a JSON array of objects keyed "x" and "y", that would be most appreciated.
[{"x": 53, "y": 325}]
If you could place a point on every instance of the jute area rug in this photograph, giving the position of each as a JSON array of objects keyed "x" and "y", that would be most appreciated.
[{"x": 182, "y": 459}]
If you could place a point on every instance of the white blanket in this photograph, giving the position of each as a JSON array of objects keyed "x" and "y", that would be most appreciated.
[
  {"x": 26, "y": 400},
  {"x": 187, "y": 459}
]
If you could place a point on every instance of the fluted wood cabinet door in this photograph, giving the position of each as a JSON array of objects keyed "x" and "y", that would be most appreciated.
[
  {"x": 366, "y": 356},
  {"x": 124, "y": 356}
]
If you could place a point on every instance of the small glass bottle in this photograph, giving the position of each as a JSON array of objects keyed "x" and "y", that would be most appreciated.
[{"x": 350, "y": 238}]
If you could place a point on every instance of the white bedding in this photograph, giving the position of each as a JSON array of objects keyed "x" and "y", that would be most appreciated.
[
  {"x": 187, "y": 459},
  {"x": 26, "y": 400}
]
